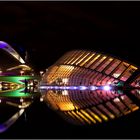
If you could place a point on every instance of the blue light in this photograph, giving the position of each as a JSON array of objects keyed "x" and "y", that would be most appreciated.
[
  {"x": 75, "y": 87},
  {"x": 61, "y": 87},
  {"x": 106, "y": 87},
  {"x": 67, "y": 87},
  {"x": 93, "y": 88},
  {"x": 43, "y": 87},
  {"x": 56, "y": 87},
  {"x": 82, "y": 87},
  {"x": 2, "y": 44}
]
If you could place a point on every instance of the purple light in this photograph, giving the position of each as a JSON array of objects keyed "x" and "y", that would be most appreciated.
[
  {"x": 93, "y": 88},
  {"x": 56, "y": 87},
  {"x": 75, "y": 87},
  {"x": 67, "y": 87},
  {"x": 106, "y": 87},
  {"x": 2, "y": 44},
  {"x": 82, "y": 87},
  {"x": 43, "y": 87}
]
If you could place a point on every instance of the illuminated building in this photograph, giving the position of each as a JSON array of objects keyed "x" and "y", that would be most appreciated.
[
  {"x": 15, "y": 74},
  {"x": 90, "y": 107},
  {"x": 16, "y": 106},
  {"x": 81, "y": 67},
  {"x": 92, "y": 76},
  {"x": 17, "y": 86}
]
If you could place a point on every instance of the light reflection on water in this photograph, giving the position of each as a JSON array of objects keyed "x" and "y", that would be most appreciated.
[
  {"x": 80, "y": 107},
  {"x": 19, "y": 87},
  {"x": 13, "y": 104},
  {"x": 91, "y": 106}
]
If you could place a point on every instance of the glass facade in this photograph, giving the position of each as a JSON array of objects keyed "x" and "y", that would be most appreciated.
[
  {"x": 89, "y": 107},
  {"x": 81, "y": 67},
  {"x": 91, "y": 74}
]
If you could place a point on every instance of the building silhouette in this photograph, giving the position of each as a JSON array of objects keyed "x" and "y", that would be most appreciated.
[{"x": 88, "y": 68}]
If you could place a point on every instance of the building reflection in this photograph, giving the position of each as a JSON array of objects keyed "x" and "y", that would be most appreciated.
[
  {"x": 89, "y": 107},
  {"x": 84, "y": 87},
  {"x": 18, "y": 85},
  {"x": 11, "y": 108},
  {"x": 89, "y": 87},
  {"x": 81, "y": 67}
]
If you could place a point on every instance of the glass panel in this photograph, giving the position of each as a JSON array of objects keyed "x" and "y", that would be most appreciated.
[
  {"x": 129, "y": 103},
  {"x": 88, "y": 116},
  {"x": 87, "y": 59},
  {"x": 104, "y": 64},
  {"x": 77, "y": 58},
  {"x": 93, "y": 60},
  {"x": 112, "y": 67},
  {"x": 76, "y": 54},
  {"x": 136, "y": 83},
  {"x": 120, "y": 70},
  {"x": 121, "y": 106},
  {"x": 100, "y": 113},
  {"x": 69, "y": 56},
  {"x": 114, "y": 109},
  {"x": 83, "y": 58},
  {"x": 128, "y": 73},
  {"x": 98, "y": 62},
  {"x": 83, "y": 117},
  {"x": 106, "y": 111},
  {"x": 94, "y": 115}
]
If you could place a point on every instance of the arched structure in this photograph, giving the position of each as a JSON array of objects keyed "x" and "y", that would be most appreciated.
[
  {"x": 15, "y": 74},
  {"x": 90, "y": 107},
  {"x": 5, "y": 46},
  {"x": 81, "y": 67}
]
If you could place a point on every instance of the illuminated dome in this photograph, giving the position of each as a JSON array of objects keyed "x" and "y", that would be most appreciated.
[
  {"x": 15, "y": 74},
  {"x": 80, "y": 67},
  {"x": 87, "y": 87}
]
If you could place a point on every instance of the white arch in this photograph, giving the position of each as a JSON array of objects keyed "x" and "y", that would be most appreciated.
[{"x": 5, "y": 46}]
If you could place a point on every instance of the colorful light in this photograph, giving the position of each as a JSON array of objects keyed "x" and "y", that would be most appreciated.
[
  {"x": 92, "y": 88},
  {"x": 2, "y": 44},
  {"x": 82, "y": 87},
  {"x": 106, "y": 87}
]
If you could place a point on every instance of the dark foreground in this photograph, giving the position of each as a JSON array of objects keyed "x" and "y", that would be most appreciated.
[{"x": 42, "y": 122}]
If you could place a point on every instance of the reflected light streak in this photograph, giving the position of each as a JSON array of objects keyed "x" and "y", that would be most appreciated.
[
  {"x": 5, "y": 46},
  {"x": 75, "y": 87},
  {"x": 13, "y": 119},
  {"x": 106, "y": 88}
]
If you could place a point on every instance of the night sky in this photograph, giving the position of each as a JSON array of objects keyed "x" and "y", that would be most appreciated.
[{"x": 48, "y": 29}]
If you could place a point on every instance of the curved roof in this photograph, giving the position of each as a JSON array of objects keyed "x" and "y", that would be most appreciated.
[
  {"x": 91, "y": 68},
  {"x": 5, "y": 46}
]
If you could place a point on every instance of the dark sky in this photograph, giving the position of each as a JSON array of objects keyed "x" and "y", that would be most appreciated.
[{"x": 49, "y": 29}]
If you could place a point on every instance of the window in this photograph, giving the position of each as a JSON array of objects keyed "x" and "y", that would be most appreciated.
[
  {"x": 98, "y": 62},
  {"x": 93, "y": 60},
  {"x": 107, "y": 62},
  {"x": 128, "y": 73},
  {"x": 120, "y": 69},
  {"x": 116, "y": 62}
]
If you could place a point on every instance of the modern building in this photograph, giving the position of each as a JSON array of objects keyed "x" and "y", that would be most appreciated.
[
  {"x": 90, "y": 107},
  {"x": 80, "y": 67},
  {"x": 88, "y": 68},
  {"x": 15, "y": 73}
]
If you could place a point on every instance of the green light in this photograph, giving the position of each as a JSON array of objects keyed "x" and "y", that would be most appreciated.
[
  {"x": 120, "y": 84},
  {"x": 16, "y": 79},
  {"x": 16, "y": 93},
  {"x": 120, "y": 92}
]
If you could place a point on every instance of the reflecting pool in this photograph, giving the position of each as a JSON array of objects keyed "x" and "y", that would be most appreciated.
[
  {"x": 91, "y": 106},
  {"x": 70, "y": 93},
  {"x": 13, "y": 104}
]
